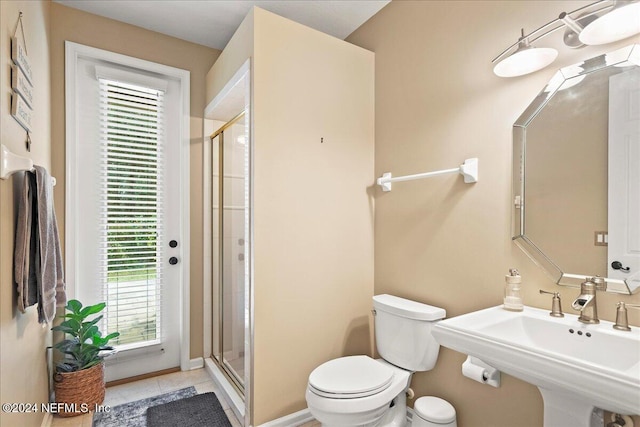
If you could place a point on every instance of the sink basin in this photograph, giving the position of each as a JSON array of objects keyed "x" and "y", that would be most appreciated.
[{"x": 577, "y": 367}]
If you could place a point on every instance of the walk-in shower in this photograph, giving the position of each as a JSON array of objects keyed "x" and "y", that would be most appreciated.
[{"x": 228, "y": 249}]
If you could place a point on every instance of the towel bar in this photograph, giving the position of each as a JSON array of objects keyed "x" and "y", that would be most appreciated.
[
  {"x": 11, "y": 163},
  {"x": 469, "y": 170}
]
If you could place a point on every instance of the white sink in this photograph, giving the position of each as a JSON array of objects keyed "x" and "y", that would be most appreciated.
[{"x": 593, "y": 366}]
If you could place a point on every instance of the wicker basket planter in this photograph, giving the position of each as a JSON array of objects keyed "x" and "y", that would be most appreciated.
[{"x": 80, "y": 391}]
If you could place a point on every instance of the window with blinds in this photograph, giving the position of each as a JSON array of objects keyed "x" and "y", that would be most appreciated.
[{"x": 131, "y": 127}]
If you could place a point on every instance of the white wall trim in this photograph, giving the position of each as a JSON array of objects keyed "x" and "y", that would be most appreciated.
[
  {"x": 47, "y": 421},
  {"x": 304, "y": 416},
  {"x": 250, "y": 300},
  {"x": 73, "y": 51},
  {"x": 196, "y": 363},
  {"x": 294, "y": 419},
  {"x": 207, "y": 253},
  {"x": 71, "y": 179},
  {"x": 228, "y": 87}
]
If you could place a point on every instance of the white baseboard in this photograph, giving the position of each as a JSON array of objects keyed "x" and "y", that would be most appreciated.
[
  {"x": 294, "y": 419},
  {"x": 47, "y": 420},
  {"x": 304, "y": 416},
  {"x": 196, "y": 363}
]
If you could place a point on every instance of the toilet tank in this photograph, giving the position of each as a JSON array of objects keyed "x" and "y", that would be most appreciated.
[{"x": 403, "y": 332}]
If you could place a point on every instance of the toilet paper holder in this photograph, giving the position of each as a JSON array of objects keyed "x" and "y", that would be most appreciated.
[{"x": 478, "y": 370}]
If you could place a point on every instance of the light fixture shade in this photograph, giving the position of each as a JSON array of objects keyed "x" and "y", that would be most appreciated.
[
  {"x": 620, "y": 23},
  {"x": 525, "y": 61}
]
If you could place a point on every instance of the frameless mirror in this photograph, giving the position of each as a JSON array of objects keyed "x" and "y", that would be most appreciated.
[{"x": 576, "y": 173}]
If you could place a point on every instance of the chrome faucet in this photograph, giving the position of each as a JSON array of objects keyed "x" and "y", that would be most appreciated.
[{"x": 586, "y": 301}]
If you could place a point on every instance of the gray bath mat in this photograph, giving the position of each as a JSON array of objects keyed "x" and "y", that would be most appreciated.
[
  {"x": 134, "y": 414},
  {"x": 203, "y": 410}
]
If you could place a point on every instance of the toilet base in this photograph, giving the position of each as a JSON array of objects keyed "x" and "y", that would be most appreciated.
[{"x": 397, "y": 415}]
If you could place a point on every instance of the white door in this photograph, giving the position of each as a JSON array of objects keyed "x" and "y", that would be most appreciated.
[
  {"x": 624, "y": 177},
  {"x": 128, "y": 247}
]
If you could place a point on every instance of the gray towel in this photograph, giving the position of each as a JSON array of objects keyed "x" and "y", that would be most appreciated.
[
  {"x": 26, "y": 250},
  {"x": 37, "y": 252},
  {"x": 51, "y": 287}
]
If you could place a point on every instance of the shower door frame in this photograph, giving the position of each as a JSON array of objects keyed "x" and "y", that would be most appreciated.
[
  {"x": 230, "y": 98},
  {"x": 226, "y": 369}
]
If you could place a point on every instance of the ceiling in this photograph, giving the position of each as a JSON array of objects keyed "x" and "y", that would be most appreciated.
[{"x": 213, "y": 22}]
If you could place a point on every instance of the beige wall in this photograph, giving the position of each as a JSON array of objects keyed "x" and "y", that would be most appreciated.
[
  {"x": 23, "y": 342},
  {"x": 313, "y": 211},
  {"x": 441, "y": 241},
  {"x": 92, "y": 30}
]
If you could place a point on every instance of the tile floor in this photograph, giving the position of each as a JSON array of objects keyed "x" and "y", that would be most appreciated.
[{"x": 150, "y": 387}]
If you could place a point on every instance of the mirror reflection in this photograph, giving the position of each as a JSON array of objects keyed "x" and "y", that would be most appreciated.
[{"x": 577, "y": 173}]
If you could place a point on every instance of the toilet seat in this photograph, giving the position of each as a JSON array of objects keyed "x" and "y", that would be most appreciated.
[
  {"x": 335, "y": 409},
  {"x": 350, "y": 377}
]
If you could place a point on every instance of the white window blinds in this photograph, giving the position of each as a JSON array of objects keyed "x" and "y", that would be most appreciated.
[{"x": 131, "y": 133}]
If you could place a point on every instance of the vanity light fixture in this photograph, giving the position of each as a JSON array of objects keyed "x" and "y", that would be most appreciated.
[
  {"x": 621, "y": 22},
  {"x": 604, "y": 21},
  {"x": 574, "y": 29},
  {"x": 526, "y": 59}
]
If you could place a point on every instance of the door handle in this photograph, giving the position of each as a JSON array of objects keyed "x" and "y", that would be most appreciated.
[
  {"x": 173, "y": 260},
  {"x": 617, "y": 265}
]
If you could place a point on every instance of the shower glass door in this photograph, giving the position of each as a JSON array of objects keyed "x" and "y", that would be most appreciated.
[{"x": 229, "y": 225}]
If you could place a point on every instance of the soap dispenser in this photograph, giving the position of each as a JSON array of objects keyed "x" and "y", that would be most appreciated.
[{"x": 512, "y": 298}]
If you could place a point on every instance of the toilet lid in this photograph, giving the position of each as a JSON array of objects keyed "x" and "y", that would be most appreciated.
[{"x": 350, "y": 377}]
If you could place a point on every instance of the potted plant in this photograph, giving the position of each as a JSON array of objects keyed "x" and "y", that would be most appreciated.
[{"x": 79, "y": 376}]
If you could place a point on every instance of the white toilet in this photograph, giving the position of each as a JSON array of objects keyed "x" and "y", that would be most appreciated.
[{"x": 360, "y": 391}]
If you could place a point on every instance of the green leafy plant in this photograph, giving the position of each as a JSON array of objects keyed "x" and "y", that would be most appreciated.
[{"x": 86, "y": 346}]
